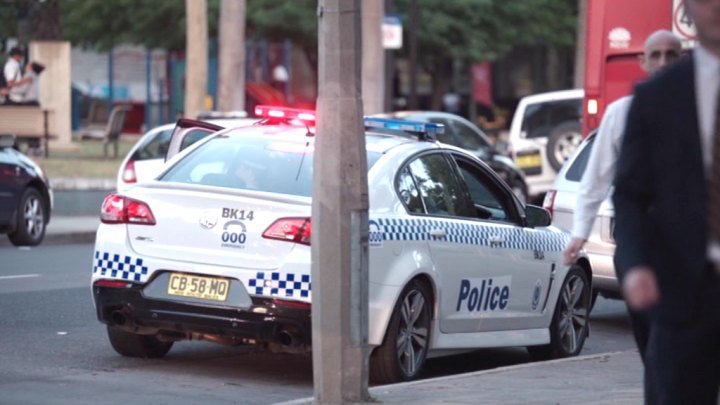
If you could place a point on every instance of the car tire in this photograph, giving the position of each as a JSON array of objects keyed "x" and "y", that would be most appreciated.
[
  {"x": 563, "y": 141},
  {"x": 409, "y": 328},
  {"x": 30, "y": 226},
  {"x": 569, "y": 327},
  {"x": 133, "y": 345}
]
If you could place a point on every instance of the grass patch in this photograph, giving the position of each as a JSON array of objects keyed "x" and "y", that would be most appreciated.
[{"x": 84, "y": 159}]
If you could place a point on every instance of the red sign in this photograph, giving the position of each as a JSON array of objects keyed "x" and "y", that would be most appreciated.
[{"x": 482, "y": 83}]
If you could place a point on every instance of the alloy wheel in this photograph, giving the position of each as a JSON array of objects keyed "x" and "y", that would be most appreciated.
[
  {"x": 412, "y": 338},
  {"x": 574, "y": 314},
  {"x": 33, "y": 217}
]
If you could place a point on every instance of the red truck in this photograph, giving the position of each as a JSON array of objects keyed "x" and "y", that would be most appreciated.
[{"x": 616, "y": 33}]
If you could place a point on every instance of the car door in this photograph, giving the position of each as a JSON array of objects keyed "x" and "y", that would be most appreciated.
[
  {"x": 453, "y": 237},
  {"x": 187, "y": 132},
  {"x": 516, "y": 250},
  {"x": 11, "y": 182}
]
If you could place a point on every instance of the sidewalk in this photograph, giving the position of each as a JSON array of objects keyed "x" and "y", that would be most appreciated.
[{"x": 613, "y": 378}]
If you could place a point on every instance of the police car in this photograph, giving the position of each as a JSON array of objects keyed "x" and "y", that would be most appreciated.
[{"x": 217, "y": 247}]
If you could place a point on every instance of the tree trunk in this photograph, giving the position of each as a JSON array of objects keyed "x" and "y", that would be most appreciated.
[
  {"x": 231, "y": 69},
  {"x": 581, "y": 36},
  {"x": 373, "y": 58},
  {"x": 196, "y": 42},
  {"x": 441, "y": 78},
  {"x": 44, "y": 19}
]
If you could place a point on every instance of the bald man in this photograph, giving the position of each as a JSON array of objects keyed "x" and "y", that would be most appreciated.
[{"x": 661, "y": 48}]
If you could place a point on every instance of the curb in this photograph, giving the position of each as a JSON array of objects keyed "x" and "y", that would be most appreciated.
[
  {"x": 57, "y": 239},
  {"x": 406, "y": 385},
  {"x": 72, "y": 183}
]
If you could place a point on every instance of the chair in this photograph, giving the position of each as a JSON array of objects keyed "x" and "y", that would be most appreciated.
[{"x": 111, "y": 133}]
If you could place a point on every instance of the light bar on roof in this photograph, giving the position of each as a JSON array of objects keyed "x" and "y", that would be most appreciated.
[
  {"x": 267, "y": 111},
  {"x": 428, "y": 128}
]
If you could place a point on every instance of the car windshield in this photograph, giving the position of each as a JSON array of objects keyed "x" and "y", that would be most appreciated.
[{"x": 251, "y": 163}]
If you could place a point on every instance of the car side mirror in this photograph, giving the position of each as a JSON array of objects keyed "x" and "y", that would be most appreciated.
[{"x": 537, "y": 216}]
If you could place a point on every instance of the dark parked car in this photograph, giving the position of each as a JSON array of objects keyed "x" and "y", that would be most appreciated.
[
  {"x": 463, "y": 134},
  {"x": 25, "y": 196}
]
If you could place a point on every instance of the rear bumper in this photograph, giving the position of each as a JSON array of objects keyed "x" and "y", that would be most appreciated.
[{"x": 264, "y": 322}]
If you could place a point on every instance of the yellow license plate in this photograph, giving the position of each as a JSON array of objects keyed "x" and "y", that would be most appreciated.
[
  {"x": 528, "y": 161},
  {"x": 208, "y": 288}
]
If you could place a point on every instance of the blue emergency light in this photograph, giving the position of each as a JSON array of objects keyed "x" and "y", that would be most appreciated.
[{"x": 423, "y": 128}]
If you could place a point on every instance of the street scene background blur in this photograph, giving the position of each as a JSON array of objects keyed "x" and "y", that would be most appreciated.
[{"x": 473, "y": 58}]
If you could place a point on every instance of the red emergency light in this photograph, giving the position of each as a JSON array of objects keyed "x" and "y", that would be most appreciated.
[{"x": 270, "y": 112}]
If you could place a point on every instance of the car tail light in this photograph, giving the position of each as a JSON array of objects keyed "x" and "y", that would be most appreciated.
[
  {"x": 549, "y": 201},
  {"x": 128, "y": 173},
  {"x": 297, "y": 230},
  {"x": 112, "y": 283},
  {"x": 293, "y": 304},
  {"x": 118, "y": 209}
]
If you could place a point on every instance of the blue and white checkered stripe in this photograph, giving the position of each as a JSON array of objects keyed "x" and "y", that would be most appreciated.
[
  {"x": 122, "y": 267},
  {"x": 418, "y": 229},
  {"x": 280, "y": 284}
]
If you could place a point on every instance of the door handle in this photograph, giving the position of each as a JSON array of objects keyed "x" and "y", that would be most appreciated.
[
  {"x": 496, "y": 240},
  {"x": 437, "y": 233}
]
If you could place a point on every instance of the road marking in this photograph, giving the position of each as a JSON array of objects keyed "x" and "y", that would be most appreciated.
[{"x": 19, "y": 276}]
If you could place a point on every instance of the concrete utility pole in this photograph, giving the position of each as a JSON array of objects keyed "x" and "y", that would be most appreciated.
[
  {"x": 231, "y": 77},
  {"x": 196, "y": 43},
  {"x": 339, "y": 212},
  {"x": 373, "y": 57}
]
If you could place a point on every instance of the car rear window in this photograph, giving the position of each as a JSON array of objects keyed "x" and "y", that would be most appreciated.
[
  {"x": 541, "y": 118},
  {"x": 250, "y": 163},
  {"x": 576, "y": 170}
]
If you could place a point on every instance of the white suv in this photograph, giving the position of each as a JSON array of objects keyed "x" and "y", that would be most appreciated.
[{"x": 544, "y": 133}]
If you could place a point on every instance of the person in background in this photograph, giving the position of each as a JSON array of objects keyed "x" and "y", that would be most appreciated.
[
  {"x": 31, "y": 88},
  {"x": 661, "y": 48},
  {"x": 667, "y": 212},
  {"x": 14, "y": 77}
]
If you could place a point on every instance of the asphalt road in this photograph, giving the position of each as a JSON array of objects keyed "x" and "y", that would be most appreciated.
[{"x": 53, "y": 349}]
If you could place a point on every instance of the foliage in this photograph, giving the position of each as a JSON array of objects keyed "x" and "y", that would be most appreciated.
[
  {"x": 154, "y": 24},
  {"x": 484, "y": 30},
  {"x": 10, "y": 12},
  {"x": 277, "y": 20}
]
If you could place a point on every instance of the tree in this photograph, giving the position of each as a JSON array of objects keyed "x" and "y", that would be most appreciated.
[
  {"x": 153, "y": 24},
  {"x": 197, "y": 61},
  {"x": 231, "y": 69},
  {"x": 277, "y": 20},
  {"x": 27, "y": 20},
  {"x": 484, "y": 30}
]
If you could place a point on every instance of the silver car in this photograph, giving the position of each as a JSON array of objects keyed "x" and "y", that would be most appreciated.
[{"x": 600, "y": 247}]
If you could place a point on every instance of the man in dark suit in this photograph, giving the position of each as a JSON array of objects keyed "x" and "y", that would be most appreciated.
[{"x": 667, "y": 210}]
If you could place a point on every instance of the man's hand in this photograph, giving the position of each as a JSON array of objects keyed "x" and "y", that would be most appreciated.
[
  {"x": 570, "y": 254},
  {"x": 640, "y": 288}
]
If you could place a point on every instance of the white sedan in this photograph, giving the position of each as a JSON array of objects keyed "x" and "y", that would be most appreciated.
[
  {"x": 218, "y": 248},
  {"x": 146, "y": 158}
]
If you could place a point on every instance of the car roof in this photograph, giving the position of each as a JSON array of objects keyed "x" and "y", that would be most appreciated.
[
  {"x": 554, "y": 95},
  {"x": 418, "y": 113},
  {"x": 379, "y": 141}
]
